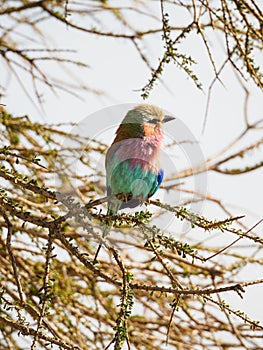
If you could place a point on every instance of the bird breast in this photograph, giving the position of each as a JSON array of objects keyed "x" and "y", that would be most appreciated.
[{"x": 137, "y": 151}]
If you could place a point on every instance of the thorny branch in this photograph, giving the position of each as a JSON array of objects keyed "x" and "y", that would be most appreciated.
[
  {"x": 239, "y": 23},
  {"x": 147, "y": 280},
  {"x": 49, "y": 237}
]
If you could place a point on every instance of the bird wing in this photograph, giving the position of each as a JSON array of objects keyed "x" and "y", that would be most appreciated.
[
  {"x": 159, "y": 180},
  {"x": 110, "y": 162}
]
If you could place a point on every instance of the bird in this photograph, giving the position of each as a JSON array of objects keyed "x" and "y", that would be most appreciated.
[{"x": 133, "y": 172}]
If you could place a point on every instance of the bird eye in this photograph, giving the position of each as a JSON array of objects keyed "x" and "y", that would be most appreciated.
[{"x": 154, "y": 121}]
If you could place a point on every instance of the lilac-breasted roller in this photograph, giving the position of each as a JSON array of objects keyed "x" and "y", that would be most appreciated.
[{"x": 133, "y": 172}]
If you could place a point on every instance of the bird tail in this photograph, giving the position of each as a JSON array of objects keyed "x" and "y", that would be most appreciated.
[{"x": 113, "y": 208}]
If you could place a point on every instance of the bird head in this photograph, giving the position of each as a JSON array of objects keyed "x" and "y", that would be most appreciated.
[{"x": 145, "y": 120}]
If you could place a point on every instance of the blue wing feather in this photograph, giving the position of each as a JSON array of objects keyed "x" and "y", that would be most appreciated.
[{"x": 159, "y": 180}]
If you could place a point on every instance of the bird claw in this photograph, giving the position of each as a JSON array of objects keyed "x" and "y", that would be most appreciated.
[{"x": 141, "y": 199}]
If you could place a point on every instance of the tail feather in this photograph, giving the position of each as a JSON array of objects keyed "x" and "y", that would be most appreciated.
[
  {"x": 106, "y": 231},
  {"x": 113, "y": 208}
]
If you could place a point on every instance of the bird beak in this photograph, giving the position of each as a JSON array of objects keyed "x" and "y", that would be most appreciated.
[{"x": 167, "y": 118}]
